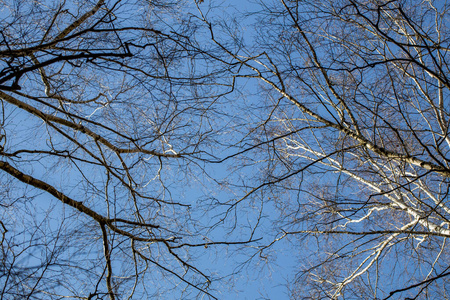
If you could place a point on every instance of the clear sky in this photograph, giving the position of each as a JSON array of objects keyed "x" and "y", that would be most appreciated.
[{"x": 129, "y": 101}]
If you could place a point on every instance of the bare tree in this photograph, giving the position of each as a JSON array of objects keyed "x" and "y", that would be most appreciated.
[
  {"x": 351, "y": 142},
  {"x": 324, "y": 128},
  {"x": 107, "y": 110}
]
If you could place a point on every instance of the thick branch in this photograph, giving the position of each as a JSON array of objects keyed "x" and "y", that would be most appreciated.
[
  {"x": 80, "y": 128},
  {"x": 75, "y": 204}
]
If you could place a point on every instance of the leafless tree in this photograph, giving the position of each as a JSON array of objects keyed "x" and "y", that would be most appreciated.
[
  {"x": 351, "y": 142},
  {"x": 108, "y": 109},
  {"x": 324, "y": 128}
]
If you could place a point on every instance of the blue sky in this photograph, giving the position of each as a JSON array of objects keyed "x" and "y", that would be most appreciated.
[{"x": 170, "y": 116}]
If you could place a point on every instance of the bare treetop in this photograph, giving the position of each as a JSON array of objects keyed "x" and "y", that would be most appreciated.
[{"x": 145, "y": 144}]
